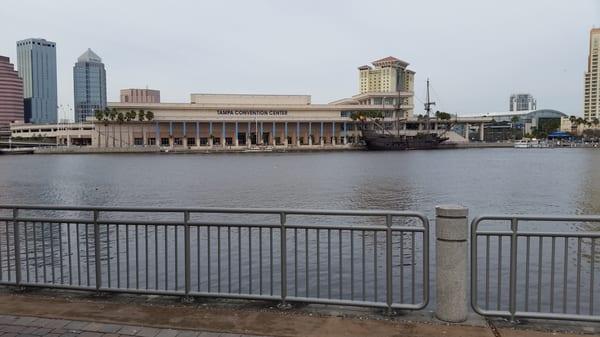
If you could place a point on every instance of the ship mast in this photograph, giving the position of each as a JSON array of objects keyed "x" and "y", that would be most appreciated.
[
  {"x": 397, "y": 112},
  {"x": 428, "y": 105}
]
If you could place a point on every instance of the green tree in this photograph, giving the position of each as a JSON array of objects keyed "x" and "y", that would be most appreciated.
[
  {"x": 129, "y": 116},
  {"x": 113, "y": 116},
  {"x": 141, "y": 115},
  {"x": 106, "y": 119},
  {"x": 572, "y": 119},
  {"x": 442, "y": 115},
  {"x": 120, "y": 121},
  {"x": 99, "y": 115},
  {"x": 595, "y": 121},
  {"x": 366, "y": 115},
  {"x": 150, "y": 118}
]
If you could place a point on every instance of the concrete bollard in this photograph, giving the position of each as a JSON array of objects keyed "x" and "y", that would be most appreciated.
[{"x": 451, "y": 230}]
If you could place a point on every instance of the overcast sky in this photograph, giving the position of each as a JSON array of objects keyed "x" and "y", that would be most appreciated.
[{"x": 475, "y": 52}]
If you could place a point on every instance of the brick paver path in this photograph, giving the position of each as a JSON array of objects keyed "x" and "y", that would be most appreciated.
[{"x": 24, "y": 326}]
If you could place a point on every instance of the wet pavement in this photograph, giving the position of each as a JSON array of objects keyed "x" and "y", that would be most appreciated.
[{"x": 72, "y": 314}]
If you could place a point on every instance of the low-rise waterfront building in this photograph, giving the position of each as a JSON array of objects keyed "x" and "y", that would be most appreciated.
[
  {"x": 140, "y": 96},
  {"x": 546, "y": 120},
  {"x": 78, "y": 134},
  {"x": 237, "y": 121}
]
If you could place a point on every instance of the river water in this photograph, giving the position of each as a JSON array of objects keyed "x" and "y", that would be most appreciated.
[
  {"x": 500, "y": 181},
  {"x": 560, "y": 181}
]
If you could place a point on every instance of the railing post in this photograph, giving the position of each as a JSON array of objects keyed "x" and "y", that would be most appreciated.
[
  {"x": 388, "y": 263},
  {"x": 451, "y": 229},
  {"x": 97, "y": 251},
  {"x": 514, "y": 224},
  {"x": 186, "y": 219},
  {"x": 283, "y": 251},
  {"x": 17, "y": 243}
]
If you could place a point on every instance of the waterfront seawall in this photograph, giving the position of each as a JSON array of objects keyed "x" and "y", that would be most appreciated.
[{"x": 217, "y": 149}]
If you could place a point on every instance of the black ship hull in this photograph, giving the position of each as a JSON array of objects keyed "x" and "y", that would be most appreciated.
[{"x": 387, "y": 142}]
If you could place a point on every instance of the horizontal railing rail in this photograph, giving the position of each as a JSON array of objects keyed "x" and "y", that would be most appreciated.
[
  {"x": 549, "y": 274},
  {"x": 372, "y": 258}
]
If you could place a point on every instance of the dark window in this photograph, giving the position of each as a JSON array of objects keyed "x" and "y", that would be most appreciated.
[{"x": 164, "y": 141}]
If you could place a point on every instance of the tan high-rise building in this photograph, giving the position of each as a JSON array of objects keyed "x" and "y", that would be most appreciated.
[
  {"x": 591, "y": 104},
  {"x": 140, "y": 96},
  {"x": 387, "y": 75}
]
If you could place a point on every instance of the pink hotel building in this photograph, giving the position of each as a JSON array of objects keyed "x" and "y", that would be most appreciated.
[{"x": 11, "y": 94}]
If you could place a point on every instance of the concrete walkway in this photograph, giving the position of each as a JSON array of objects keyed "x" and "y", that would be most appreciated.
[
  {"x": 73, "y": 314},
  {"x": 24, "y": 326}
]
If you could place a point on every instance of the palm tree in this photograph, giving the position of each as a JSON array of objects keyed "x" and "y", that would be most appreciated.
[
  {"x": 106, "y": 113},
  {"x": 112, "y": 116},
  {"x": 573, "y": 121},
  {"x": 150, "y": 118},
  {"x": 141, "y": 115},
  {"x": 595, "y": 121},
  {"x": 99, "y": 115},
  {"x": 129, "y": 116},
  {"x": 120, "y": 120}
]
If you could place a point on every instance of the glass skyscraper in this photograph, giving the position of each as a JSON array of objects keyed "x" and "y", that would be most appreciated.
[
  {"x": 36, "y": 64},
  {"x": 89, "y": 83}
]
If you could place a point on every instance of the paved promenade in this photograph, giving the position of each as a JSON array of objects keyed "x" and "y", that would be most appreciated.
[
  {"x": 24, "y": 326},
  {"x": 72, "y": 314}
]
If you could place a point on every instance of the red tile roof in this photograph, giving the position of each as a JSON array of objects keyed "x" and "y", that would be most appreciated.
[
  {"x": 386, "y": 59},
  {"x": 389, "y": 59}
]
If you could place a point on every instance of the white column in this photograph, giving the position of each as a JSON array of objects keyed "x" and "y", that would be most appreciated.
[
  {"x": 197, "y": 134},
  {"x": 451, "y": 263},
  {"x": 236, "y": 141},
  {"x": 481, "y": 132},
  {"x": 333, "y": 133},
  {"x": 223, "y": 135},
  {"x": 144, "y": 137}
]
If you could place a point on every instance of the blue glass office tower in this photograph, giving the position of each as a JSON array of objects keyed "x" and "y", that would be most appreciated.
[
  {"x": 89, "y": 83},
  {"x": 36, "y": 64}
]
